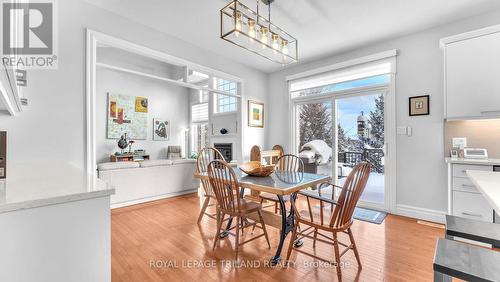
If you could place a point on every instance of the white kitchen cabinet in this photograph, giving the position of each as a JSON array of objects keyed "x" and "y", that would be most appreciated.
[
  {"x": 464, "y": 199},
  {"x": 472, "y": 65}
]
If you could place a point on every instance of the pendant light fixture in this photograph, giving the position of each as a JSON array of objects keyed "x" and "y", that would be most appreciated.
[{"x": 250, "y": 30}]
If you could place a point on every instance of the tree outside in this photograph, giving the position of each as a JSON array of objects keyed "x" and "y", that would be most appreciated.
[{"x": 316, "y": 123}]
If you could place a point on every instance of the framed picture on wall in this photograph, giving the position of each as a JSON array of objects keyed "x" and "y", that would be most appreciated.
[
  {"x": 161, "y": 130},
  {"x": 255, "y": 114},
  {"x": 419, "y": 105}
]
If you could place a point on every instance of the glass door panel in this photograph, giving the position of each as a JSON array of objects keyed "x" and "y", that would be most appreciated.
[
  {"x": 315, "y": 136},
  {"x": 360, "y": 138}
]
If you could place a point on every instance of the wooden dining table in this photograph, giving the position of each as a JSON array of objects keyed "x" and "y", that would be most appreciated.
[{"x": 280, "y": 183}]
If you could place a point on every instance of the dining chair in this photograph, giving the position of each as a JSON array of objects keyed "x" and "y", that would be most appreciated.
[
  {"x": 339, "y": 220},
  {"x": 205, "y": 156},
  {"x": 286, "y": 163},
  {"x": 231, "y": 203}
]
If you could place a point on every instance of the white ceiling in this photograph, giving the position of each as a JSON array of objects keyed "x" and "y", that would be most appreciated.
[{"x": 322, "y": 27}]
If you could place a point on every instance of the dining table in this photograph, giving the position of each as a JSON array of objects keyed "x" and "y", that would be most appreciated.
[{"x": 280, "y": 183}]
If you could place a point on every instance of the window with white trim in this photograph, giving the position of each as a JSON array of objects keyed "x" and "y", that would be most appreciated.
[{"x": 225, "y": 103}]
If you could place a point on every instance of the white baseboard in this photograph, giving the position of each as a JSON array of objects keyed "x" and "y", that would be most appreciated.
[
  {"x": 150, "y": 199},
  {"x": 420, "y": 213}
]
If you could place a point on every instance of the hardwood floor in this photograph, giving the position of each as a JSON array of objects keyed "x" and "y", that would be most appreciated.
[{"x": 160, "y": 241}]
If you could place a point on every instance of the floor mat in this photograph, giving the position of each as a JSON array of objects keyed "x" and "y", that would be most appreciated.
[{"x": 369, "y": 215}]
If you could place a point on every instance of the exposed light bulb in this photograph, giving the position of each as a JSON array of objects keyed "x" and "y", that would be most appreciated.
[
  {"x": 275, "y": 42},
  {"x": 263, "y": 38},
  {"x": 237, "y": 25},
  {"x": 284, "y": 46},
  {"x": 251, "y": 29}
]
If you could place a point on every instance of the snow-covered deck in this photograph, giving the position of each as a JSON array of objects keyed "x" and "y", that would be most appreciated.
[{"x": 374, "y": 190}]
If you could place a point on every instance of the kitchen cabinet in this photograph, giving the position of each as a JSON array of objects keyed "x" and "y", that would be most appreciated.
[
  {"x": 464, "y": 199},
  {"x": 472, "y": 65}
]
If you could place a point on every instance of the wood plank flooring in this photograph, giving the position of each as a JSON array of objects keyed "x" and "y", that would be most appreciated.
[{"x": 160, "y": 241}]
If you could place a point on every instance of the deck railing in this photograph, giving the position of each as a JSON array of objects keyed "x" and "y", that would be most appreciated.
[{"x": 373, "y": 156}]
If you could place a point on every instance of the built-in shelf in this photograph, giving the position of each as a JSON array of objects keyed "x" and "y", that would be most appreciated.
[
  {"x": 224, "y": 135},
  {"x": 152, "y": 76}
]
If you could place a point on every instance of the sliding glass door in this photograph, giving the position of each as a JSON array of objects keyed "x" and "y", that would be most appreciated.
[
  {"x": 361, "y": 138},
  {"x": 334, "y": 134}
]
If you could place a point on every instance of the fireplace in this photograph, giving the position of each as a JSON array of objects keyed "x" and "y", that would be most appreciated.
[{"x": 226, "y": 149}]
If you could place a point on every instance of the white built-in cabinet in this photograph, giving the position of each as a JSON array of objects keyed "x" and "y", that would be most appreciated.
[
  {"x": 464, "y": 200},
  {"x": 472, "y": 74}
]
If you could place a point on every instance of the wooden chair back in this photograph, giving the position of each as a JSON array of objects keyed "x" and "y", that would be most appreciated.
[
  {"x": 205, "y": 157},
  {"x": 255, "y": 153},
  {"x": 290, "y": 163},
  {"x": 282, "y": 152},
  {"x": 225, "y": 186},
  {"x": 353, "y": 188}
]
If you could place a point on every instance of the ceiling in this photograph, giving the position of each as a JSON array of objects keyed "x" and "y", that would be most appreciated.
[{"x": 322, "y": 27}]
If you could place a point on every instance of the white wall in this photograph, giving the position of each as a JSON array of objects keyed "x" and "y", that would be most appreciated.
[
  {"x": 165, "y": 101},
  {"x": 421, "y": 171},
  {"x": 52, "y": 127}
]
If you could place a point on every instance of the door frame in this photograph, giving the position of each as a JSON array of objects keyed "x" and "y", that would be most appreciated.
[{"x": 389, "y": 132}]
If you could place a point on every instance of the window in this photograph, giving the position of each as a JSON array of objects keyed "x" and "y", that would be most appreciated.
[
  {"x": 199, "y": 112},
  {"x": 369, "y": 81},
  {"x": 225, "y": 103},
  {"x": 332, "y": 81}
]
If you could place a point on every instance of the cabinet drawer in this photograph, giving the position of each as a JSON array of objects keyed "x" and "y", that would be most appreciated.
[
  {"x": 459, "y": 170},
  {"x": 473, "y": 206},
  {"x": 464, "y": 185}
]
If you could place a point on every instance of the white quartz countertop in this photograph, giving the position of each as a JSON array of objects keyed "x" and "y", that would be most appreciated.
[
  {"x": 473, "y": 161},
  {"x": 488, "y": 183},
  {"x": 35, "y": 185}
]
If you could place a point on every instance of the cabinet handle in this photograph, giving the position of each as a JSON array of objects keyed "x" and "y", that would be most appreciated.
[
  {"x": 472, "y": 214},
  {"x": 490, "y": 112},
  {"x": 471, "y": 186}
]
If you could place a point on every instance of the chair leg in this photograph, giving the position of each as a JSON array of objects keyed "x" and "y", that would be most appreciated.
[
  {"x": 203, "y": 208},
  {"x": 220, "y": 219},
  {"x": 237, "y": 241},
  {"x": 315, "y": 237},
  {"x": 337, "y": 256},
  {"x": 263, "y": 228},
  {"x": 354, "y": 248},
  {"x": 292, "y": 241}
]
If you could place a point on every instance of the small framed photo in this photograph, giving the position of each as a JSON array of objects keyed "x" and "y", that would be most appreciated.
[
  {"x": 419, "y": 106},
  {"x": 255, "y": 114},
  {"x": 161, "y": 130}
]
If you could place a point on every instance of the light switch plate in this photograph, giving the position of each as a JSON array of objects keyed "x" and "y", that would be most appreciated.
[
  {"x": 459, "y": 142},
  {"x": 404, "y": 130}
]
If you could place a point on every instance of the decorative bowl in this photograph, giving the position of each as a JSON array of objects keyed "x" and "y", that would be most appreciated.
[{"x": 255, "y": 168}]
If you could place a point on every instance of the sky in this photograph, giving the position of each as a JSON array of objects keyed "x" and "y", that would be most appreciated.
[{"x": 349, "y": 109}]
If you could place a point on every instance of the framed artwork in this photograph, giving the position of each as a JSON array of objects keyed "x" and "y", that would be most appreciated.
[
  {"x": 419, "y": 105},
  {"x": 255, "y": 114},
  {"x": 161, "y": 130},
  {"x": 124, "y": 116}
]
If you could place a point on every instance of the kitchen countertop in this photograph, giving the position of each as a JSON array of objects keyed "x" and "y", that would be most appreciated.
[
  {"x": 473, "y": 161},
  {"x": 488, "y": 183},
  {"x": 30, "y": 185}
]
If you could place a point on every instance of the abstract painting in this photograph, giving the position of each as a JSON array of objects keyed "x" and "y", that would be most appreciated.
[
  {"x": 127, "y": 114},
  {"x": 255, "y": 114},
  {"x": 161, "y": 130}
]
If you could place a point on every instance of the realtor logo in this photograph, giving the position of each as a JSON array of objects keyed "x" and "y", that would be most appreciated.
[{"x": 28, "y": 37}]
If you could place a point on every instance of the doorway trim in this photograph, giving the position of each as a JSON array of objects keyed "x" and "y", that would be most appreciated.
[
  {"x": 390, "y": 116},
  {"x": 93, "y": 38}
]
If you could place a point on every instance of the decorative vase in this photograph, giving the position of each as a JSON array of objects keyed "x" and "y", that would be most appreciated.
[{"x": 123, "y": 142}]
